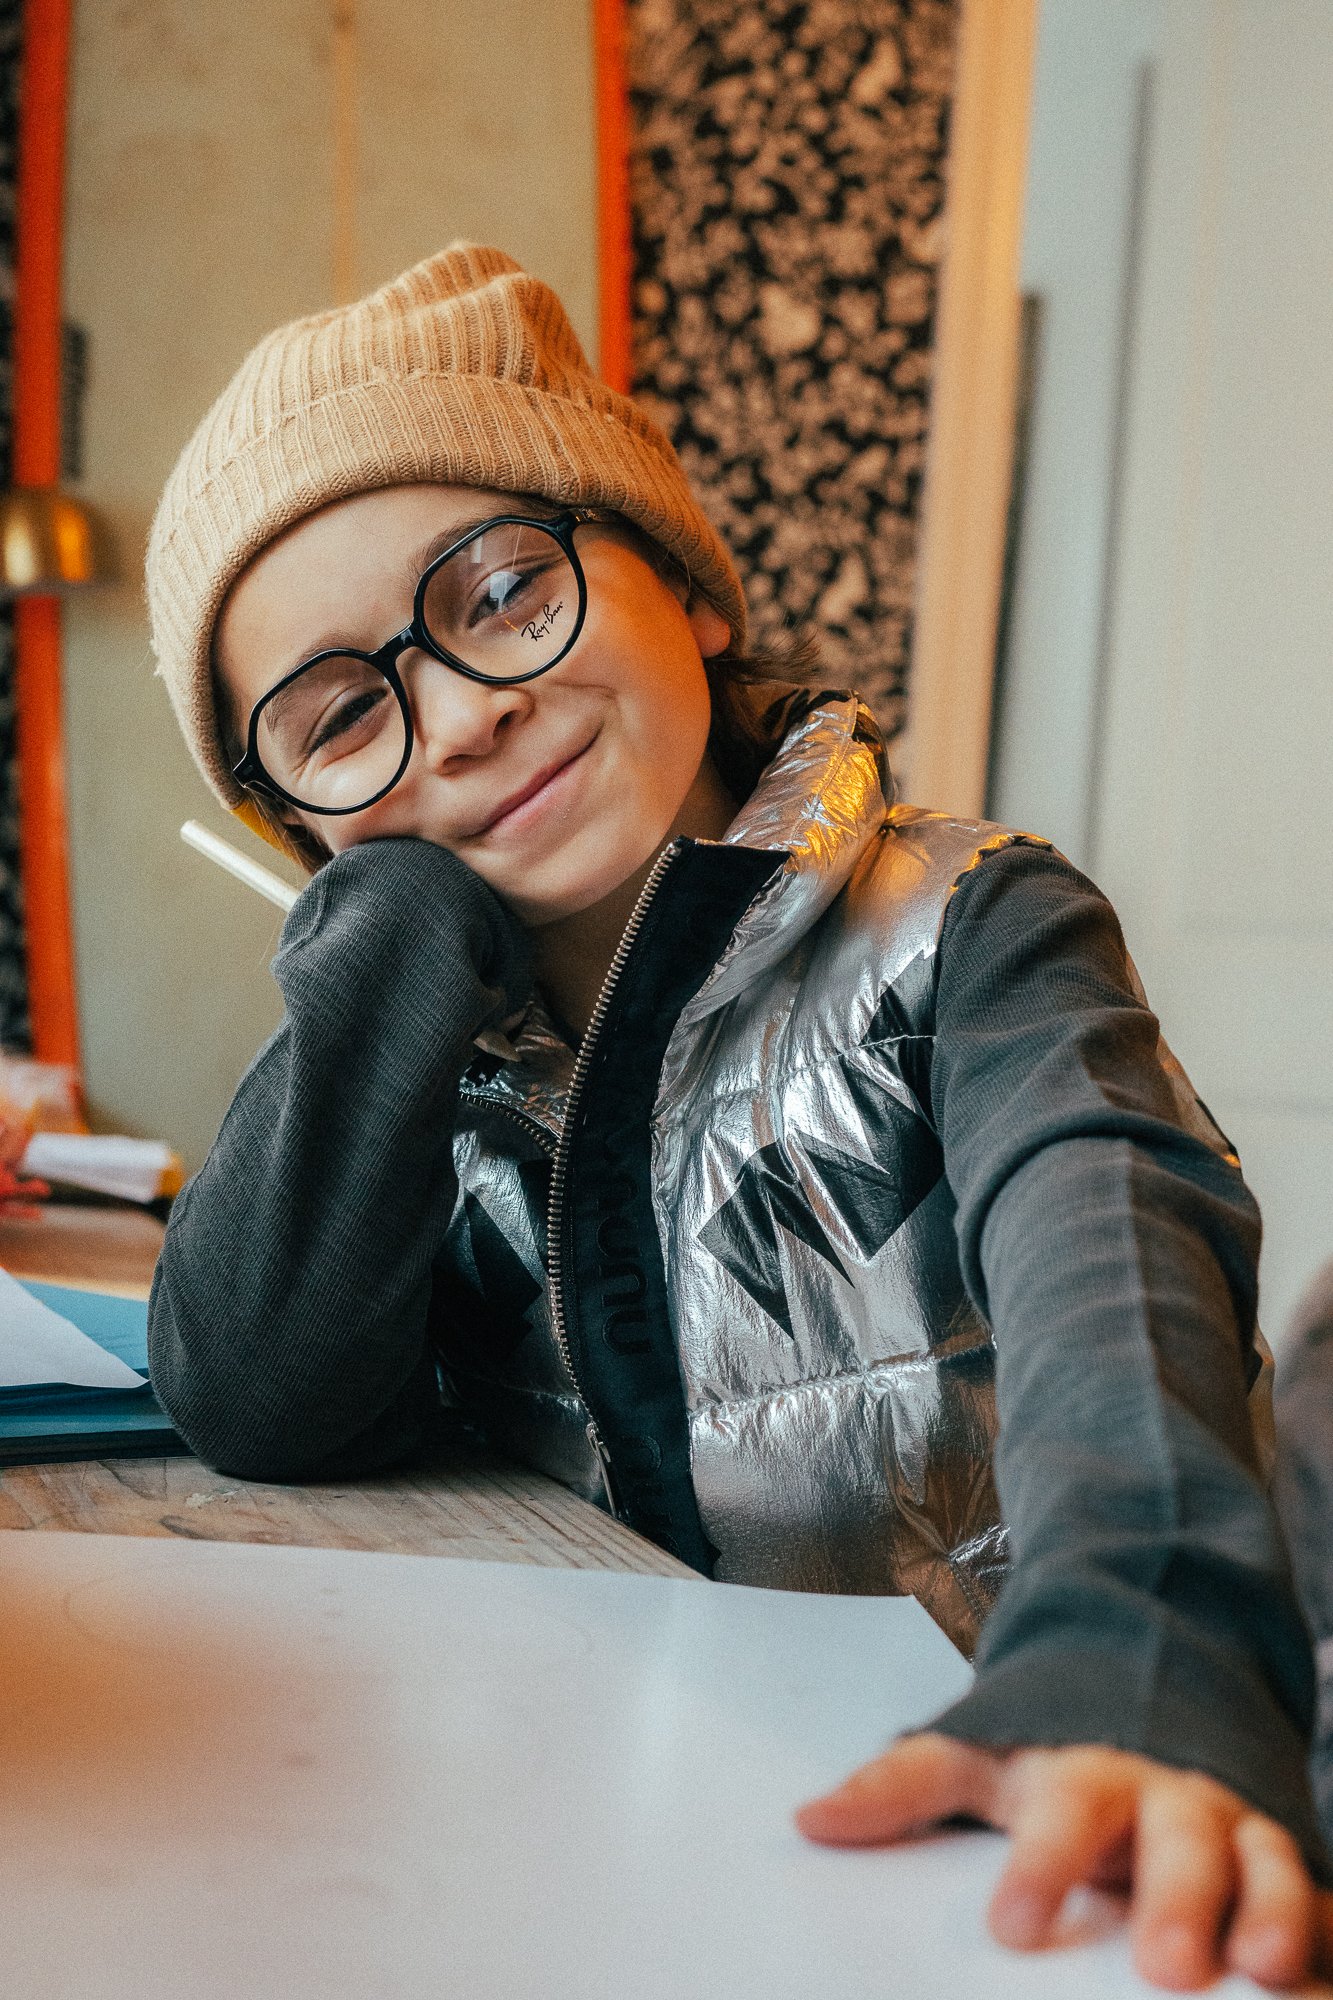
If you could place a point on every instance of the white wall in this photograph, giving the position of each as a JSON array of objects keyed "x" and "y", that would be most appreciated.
[
  {"x": 1207, "y": 792},
  {"x": 201, "y": 177},
  {"x": 1215, "y": 817},
  {"x": 1077, "y": 257}
]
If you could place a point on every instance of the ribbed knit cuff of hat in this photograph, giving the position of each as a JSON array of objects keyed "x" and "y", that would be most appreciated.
[{"x": 464, "y": 371}]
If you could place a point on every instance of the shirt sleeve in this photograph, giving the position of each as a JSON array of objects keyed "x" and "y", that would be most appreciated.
[
  {"x": 1149, "y": 1603},
  {"x": 288, "y": 1321}
]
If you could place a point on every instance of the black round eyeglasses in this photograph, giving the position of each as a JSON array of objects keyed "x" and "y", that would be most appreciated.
[{"x": 502, "y": 604}]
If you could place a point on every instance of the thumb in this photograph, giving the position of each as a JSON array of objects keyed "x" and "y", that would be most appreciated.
[{"x": 921, "y": 1780}]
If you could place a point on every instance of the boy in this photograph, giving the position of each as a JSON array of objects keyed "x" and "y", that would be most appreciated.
[{"x": 723, "y": 1138}]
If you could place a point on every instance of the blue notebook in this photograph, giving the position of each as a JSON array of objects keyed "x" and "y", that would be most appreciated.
[{"x": 54, "y": 1421}]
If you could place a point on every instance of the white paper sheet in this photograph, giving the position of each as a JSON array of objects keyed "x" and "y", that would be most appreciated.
[
  {"x": 38, "y": 1345},
  {"x": 241, "y": 1773},
  {"x": 130, "y": 1169}
]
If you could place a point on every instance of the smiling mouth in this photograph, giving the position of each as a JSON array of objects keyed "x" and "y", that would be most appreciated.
[{"x": 533, "y": 792}]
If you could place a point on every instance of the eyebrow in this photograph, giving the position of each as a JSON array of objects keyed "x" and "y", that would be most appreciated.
[
  {"x": 331, "y": 644},
  {"x": 420, "y": 562}
]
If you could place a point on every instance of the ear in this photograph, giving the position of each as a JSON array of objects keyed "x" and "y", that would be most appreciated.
[{"x": 711, "y": 630}]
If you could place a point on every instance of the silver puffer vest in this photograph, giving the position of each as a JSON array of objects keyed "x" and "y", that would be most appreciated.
[{"x": 707, "y": 1266}]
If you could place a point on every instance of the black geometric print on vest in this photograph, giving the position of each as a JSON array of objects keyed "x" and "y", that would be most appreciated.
[
  {"x": 904, "y": 1002},
  {"x": 503, "y": 1279},
  {"x": 895, "y": 1035},
  {"x": 484, "y": 1301},
  {"x": 743, "y": 1234}
]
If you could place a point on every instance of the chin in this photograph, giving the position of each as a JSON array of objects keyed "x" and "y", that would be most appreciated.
[
  {"x": 570, "y": 890},
  {"x": 536, "y": 912}
]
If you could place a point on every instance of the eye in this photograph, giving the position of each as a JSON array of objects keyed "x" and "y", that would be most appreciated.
[
  {"x": 345, "y": 719},
  {"x": 325, "y": 712},
  {"x": 510, "y": 586},
  {"x": 509, "y": 593}
]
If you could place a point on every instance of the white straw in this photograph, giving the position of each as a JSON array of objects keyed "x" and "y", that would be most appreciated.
[{"x": 238, "y": 864}]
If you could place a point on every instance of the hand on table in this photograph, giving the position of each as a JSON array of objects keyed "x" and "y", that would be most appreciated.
[{"x": 1213, "y": 1885}]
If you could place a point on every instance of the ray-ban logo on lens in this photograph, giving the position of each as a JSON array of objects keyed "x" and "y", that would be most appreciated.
[{"x": 542, "y": 628}]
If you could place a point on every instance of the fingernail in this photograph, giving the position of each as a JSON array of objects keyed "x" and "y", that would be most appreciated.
[
  {"x": 1261, "y": 1952},
  {"x": 1175, "y": 1946},
  {"x": 861, "y": 1780},
  {"x": 814, "y": 1812},
  {"x": 1020, "y": 1922}
]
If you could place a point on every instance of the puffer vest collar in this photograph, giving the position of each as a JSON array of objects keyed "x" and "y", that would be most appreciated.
[{"x": 819, "y": 803}]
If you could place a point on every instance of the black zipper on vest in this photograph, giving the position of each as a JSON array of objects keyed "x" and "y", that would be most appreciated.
[{"x": 556, "y": 1211}]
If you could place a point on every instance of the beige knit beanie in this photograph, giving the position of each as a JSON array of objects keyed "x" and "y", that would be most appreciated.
[{"x": 464, "y": 371}]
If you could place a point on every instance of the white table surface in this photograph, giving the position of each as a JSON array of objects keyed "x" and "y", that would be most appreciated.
[{"x": 232, "y": 1772}]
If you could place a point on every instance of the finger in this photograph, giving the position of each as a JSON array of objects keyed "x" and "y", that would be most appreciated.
[
  {"x": 1184, "y": 1880},
  {"x": 921, "y": 1780},
  {"x": 1065, "y": 1824},
  {"x": 1272, "y": 1934}
]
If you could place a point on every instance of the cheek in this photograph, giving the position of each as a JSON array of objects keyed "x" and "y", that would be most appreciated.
[
  {"x": 338, "y": 833},
  {"x": 667, "y": 721},
  {"x": 663, "y": 740}
]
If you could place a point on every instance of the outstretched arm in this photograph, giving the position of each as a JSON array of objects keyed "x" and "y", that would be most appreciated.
[
  {"x": 1149, "y": 1610},
  {"x": 287, "y": 1328}
]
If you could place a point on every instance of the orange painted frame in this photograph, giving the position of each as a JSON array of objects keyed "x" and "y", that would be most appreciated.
[
  {"x": 43, "y": 841},
  {"x": 614, "y": 252}
]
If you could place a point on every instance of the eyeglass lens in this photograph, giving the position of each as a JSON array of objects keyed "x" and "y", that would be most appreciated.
[
  {"x": 334, "y": 737},
  {"x": 506, "y": 605}
]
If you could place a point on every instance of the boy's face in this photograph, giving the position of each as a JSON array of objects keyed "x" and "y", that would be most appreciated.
[{"x": 612, "y": 738}]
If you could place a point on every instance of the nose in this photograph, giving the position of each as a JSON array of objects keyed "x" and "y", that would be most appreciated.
[{"x": 455, "y": 719}]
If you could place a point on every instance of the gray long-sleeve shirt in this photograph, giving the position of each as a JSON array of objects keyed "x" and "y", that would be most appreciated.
[
  {"x": 1115, "y": 1256},
  {"x": 1149, "y": 1605}
]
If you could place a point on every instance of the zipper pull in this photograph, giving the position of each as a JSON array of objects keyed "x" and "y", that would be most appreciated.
[{"x": 598, "y": 1443}]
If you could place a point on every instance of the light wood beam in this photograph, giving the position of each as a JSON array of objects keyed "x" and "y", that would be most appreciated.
[{"x": 969, "y": 459}]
